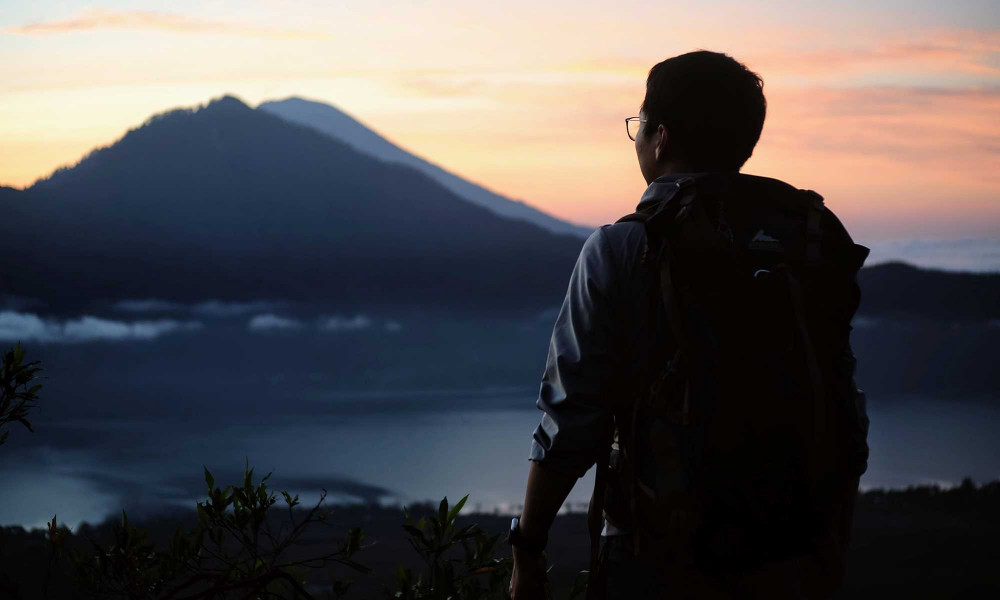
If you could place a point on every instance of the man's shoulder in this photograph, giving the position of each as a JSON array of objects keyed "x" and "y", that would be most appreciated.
[{"x": 618, "y": 244}]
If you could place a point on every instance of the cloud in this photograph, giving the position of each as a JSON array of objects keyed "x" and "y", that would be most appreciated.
[
  {"x": 909, "y": 123},
  {"x": 15, "y": 326},
  {"x": 217, "y": 308},
  {"x": 271, "y": 322},
  {"x": 98, "y": 19},
  {"x": 208, "y": 308},
  {"x": 338, "y": 323},
  {"x": 954, "y": 50}
]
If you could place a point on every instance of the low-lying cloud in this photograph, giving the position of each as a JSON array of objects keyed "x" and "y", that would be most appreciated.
[
  {"x": 217, "y": 308},
  {"x": 16, "y": 326},
  {"x": 272, "y": 322},
  {"x": 268, "y": 322},
  {"x": 208, "y": 308},
  {"x": 339, "y": 323}
]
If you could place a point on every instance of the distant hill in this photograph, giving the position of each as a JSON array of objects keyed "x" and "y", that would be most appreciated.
[
  {"x": 900, "y": 289},
  {"x": 334, "y": 122},
  {"x": 233, "y": 203}
]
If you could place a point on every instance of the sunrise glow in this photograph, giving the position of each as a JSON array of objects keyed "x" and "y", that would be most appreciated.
[{"x": 892, "y": 114}]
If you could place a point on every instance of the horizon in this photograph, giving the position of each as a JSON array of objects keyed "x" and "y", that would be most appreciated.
[
  {"x": 962, "y": 254},
  {"x": 904, "y": 103}
]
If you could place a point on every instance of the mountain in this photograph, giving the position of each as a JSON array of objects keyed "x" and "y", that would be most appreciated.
[
  {"x": 228, "y": 202},
  {"x": 900, "y": 289},
  {"x": 334, "y": 122}
]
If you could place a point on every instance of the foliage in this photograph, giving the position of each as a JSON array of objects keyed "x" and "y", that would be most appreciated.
[
  {"x": 233, "y": 552},
  {"x": 477, "y": 575},
  {"x": 17, "y": 396}
]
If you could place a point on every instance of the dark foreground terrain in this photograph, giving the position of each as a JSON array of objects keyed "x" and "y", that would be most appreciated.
[{"x": 923, "y": 542}]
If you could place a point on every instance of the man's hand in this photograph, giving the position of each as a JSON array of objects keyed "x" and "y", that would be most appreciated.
[{"x": 529, "y": 581}]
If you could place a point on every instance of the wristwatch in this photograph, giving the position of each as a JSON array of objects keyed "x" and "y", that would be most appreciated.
[{"x": 522, "y": 542}]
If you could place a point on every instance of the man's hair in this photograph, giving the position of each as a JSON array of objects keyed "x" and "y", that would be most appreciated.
[{"x": 711, "y": 104}]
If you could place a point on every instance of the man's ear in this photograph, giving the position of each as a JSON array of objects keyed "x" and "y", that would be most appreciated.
[{"x": 662, "y": 139}]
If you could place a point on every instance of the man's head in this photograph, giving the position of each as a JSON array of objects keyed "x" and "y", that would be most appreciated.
[{"x": 703, "y": 111}]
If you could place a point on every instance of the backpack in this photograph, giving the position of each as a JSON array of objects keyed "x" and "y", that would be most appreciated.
[{"x": 733, "y": 449}]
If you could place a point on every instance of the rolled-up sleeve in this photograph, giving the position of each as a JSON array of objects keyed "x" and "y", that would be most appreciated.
[
  {"x": 857, "y": 415},
  {"x": 583, "y": 366}
]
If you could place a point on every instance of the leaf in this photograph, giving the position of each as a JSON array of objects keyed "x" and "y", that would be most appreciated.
[
  {"x": 469, "y": 531},
  {"x": 443, "y": 510},
  {"x": 208, "y": 478},
  {"x": 457, "y": 508}
]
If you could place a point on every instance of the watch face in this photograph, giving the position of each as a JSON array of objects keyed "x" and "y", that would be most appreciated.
[{"x": 513, "y": 531}]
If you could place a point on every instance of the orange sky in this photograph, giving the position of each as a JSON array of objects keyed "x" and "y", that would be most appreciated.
[{"x": 893, "y": 113}]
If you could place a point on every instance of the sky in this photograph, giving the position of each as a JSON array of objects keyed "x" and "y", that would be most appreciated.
[{"x": 891, "y": 112}]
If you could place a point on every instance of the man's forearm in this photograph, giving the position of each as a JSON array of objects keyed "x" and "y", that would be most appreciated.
[{"x": 545, "y": 494}]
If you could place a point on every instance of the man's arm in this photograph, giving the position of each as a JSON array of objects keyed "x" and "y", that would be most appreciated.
[
  {"x": 545, "y": 494},
  {"x": 582, "y": 370}
]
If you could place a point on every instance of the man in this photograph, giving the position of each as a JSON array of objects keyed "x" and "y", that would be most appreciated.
[{"x": 702, "y": 115}]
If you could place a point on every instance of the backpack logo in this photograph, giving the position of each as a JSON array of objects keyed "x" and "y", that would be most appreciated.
[{"x": 762, "y": 241}]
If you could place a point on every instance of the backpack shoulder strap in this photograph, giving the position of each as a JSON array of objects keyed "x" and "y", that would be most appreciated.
[
  {"x": 814, "y": 232},
  {"x": 653, "y": 218},
  {"x": 656, "y": 215}
]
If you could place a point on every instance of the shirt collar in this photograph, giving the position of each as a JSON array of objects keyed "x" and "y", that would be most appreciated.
[{"x": 660, "y": 188}]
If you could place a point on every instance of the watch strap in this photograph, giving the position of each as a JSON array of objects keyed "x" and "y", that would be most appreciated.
[{"x": 516, "y": 539}]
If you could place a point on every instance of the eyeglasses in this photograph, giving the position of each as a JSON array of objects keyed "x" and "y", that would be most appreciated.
[{"x": 632, "y": 126}]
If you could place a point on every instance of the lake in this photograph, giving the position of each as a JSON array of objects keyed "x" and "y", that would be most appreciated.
[
  {"x": 379, "y": 408},
  {"x": 84, "y": 470}
]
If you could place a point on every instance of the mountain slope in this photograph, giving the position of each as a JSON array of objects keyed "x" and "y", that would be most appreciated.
[
  {"x": 901, "y": 289},
  {"x": 229, "y": 202},
  {"x": 332, "y": 121}
]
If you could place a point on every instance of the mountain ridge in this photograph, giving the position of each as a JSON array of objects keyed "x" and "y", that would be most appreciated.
[
  {"x": 336, "y": 123},
  {"x": 225, "y": 201}
]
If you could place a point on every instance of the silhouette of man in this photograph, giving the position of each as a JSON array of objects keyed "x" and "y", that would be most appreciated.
[{"x": 703, "y": 112}]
